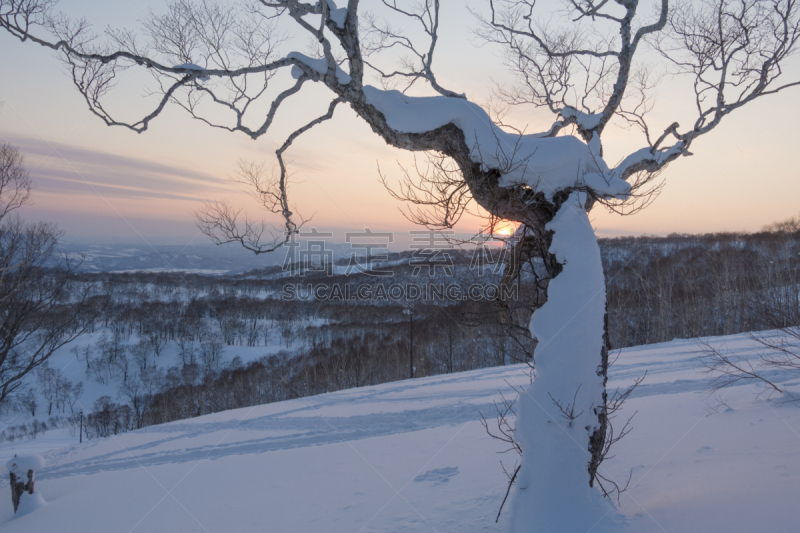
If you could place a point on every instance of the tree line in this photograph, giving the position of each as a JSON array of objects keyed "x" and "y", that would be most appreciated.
[{"x": 659, "y": 288}]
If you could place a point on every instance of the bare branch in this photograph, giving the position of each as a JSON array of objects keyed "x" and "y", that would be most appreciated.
[
  {"x": 380, "y": 35},
  {"x": 221, "y": 222},
  {"x": 729, "y": 370}
]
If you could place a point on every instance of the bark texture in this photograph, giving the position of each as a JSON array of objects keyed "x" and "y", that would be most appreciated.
[{"x": 18, "y": 486}]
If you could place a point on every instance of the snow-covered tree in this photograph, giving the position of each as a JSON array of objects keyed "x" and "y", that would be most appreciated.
[{"x": 229, "y": 66}]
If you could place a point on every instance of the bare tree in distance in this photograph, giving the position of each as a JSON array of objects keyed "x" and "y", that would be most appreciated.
[
  {"x": 587, "y": 64},
  {"x": 39, "y": 311},
  {"x": 778, "y": 361},
  {"x": 777, "y": 306}
]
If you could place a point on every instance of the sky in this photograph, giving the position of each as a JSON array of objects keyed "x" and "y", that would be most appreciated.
[{"x": 109, "y": 183}]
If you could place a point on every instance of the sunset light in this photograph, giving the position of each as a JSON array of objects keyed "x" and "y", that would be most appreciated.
[
  {"x": 506, "y": 230},
  {"x": 399, "y": 265}
]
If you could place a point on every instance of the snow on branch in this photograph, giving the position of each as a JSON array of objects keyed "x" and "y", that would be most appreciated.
[
  {"x": 546, "y": 164},
  {"x": 582, "y": 64}
]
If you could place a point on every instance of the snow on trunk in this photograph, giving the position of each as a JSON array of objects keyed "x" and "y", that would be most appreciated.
[
  {"x": 559, "y": 413},
  {"x": 552, "y": 490},
  {"x": 546, "y": 164},
  {"x": 22, "y": 471}
]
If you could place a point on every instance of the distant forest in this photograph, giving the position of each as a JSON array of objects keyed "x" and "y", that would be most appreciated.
[{"x": 658, "y": 289}]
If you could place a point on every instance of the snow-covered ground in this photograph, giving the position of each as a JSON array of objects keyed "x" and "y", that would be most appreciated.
[
  {"x": 413, "y": 456},
  {"x": 73, "y": 368}
]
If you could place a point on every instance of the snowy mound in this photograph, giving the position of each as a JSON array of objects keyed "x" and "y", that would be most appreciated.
[
  {"x": 19, "y": 466},
  {"x": 29, "y": 503}
]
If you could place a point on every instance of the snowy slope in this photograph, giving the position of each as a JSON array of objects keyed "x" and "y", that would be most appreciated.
[{"x": 412, "y": 456}]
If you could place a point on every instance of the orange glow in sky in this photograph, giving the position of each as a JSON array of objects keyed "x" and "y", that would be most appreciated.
[
  {"x": 506, "y": 229},
  {"x": 93, "y": 179}
]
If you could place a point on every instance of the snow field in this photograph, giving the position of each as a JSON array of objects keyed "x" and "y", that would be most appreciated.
[{"x": 412, "y": 456}]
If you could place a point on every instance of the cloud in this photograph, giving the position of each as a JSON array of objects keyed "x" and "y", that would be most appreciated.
[{"x": 71, "y": 171}]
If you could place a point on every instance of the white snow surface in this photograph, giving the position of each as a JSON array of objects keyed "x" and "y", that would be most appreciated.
[
  {"x": 584, "y": 120},
  {"x": 192, "y": 66},
  {"x": 337, "y": 15},
  {"x": 646, "y": 153},
  {"x": 547, "y": 164},
  {"x": 29, "y": 503},
  {"x": 412, "y": 456},
  {"x": 320, "y": 65},
  {"x": 20, "y": 465}
]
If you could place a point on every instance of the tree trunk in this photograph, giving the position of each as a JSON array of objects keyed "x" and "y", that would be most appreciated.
[
  {"x": 561, "y": 417},
  {"x": 18, "y": 487}
]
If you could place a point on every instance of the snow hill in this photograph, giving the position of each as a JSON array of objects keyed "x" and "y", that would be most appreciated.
[{"x": 413, "y": 456}]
